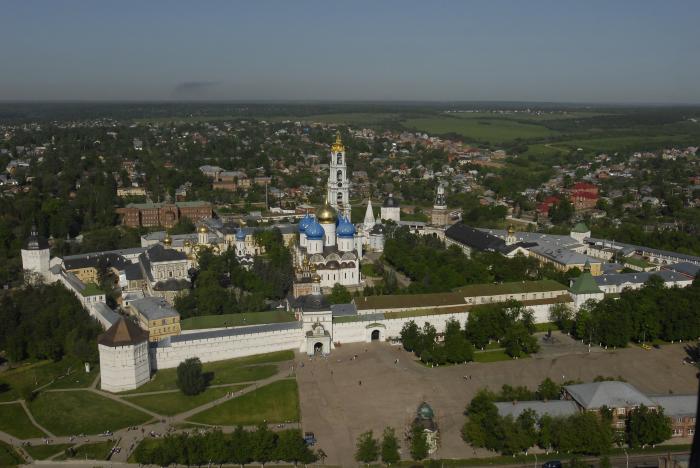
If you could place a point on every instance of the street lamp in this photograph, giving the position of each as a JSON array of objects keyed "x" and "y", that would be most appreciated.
[{"x": 627, "y": 458}]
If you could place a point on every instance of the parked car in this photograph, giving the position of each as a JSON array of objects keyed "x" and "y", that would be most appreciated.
[
  {"x": 552, "y": 464},
  {"x": 309, "y": 438}
]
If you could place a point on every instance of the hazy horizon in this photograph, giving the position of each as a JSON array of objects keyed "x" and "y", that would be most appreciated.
[{"x": 544, "y": 52}]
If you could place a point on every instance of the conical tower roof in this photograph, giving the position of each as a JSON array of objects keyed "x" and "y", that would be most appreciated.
[
  {"x": 123, "y": 333},
  {"x": 369, "y": 216},
  {"x": 585, "y": 284}
]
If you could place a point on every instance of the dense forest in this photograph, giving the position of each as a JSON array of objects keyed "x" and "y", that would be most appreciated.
[
  {"x": 46, "y": 322},
  {"x": 434, "y": 268}
]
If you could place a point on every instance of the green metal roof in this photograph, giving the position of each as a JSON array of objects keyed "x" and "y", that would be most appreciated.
[
  {"x": 91, "y": 289},
  {"x": 581, "y": 228},
  {"x": 516, "y": 287},
  {"x": 585, "y": 284}
]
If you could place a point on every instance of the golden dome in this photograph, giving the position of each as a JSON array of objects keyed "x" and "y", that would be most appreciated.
[
  {"x": 511, "y": 229},
  {"x": 338, "y": 146},
  {"x": 316, "y": 278},
  {"x": 203, "y": 229},
  {"x": 188, "y": 243},
  {"x": 326, "y": 215}
]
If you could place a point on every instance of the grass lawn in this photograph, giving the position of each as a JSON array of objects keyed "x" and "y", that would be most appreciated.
[
  {"x": 15, "y": 422},
  {"x": 543, "y": 327},
  {"x": 40, "y": 373},
  {"x": 8, "y": 456},
  {"x": 176, "y": 402},
  {"x": 42, "y": 452},
  {"x": 71, "y": 413},
  {"x": 494, "y": 130},
  {"x": 225, "y": 372},
  {"x": 95, "y": 451},
  {"x": 235, "y": 320},
  {"x": 491, "y": 356},
  {"x": 275, "y": 403}
]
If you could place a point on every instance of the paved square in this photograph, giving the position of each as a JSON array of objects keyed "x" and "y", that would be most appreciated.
[{"x": 341, "y": 397}]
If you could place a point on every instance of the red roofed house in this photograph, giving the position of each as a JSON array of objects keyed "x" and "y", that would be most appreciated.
[
  {"x": 547, "y": 203},
  {"x": 583, "y": 196}
]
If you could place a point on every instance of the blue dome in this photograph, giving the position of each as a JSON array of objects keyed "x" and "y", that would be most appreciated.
[
  {"x": 240, "y": 235},
  {"x": 314, "y": 231},
  {"x": 305, "y": 222},
  {"x": 345, "y": 228}
]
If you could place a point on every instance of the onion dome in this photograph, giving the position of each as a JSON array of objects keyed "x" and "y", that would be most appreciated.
[
  {"x": 511, "y": 230},
  {"x": 390, "y": 202},
  {"x": 168, "y": 240},
  {"x": 203, "y": 229},
  {"x": 240, "y": 235},
  {"x": 345, "y": 228},
  {"x": 315, "y": 231},
  {"x": 304, "y": 222},
  {"x": 35, "y": 241},
  {"x": 326, "y": 215},
  {"x": 377, "y": 229},
  {"x": 188, "y": 243}
]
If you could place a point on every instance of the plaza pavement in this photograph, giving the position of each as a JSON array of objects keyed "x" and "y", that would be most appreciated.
[{"x": 340, "y": 397}]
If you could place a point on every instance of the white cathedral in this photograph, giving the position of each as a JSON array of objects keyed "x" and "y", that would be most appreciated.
[{"x": 330, "y": 246}]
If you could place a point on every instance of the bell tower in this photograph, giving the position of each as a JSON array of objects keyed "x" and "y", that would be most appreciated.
[{"x": 338, "y": 184}]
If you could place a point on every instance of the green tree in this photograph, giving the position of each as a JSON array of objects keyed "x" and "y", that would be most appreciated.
[
  {"x": 548, "y": 390},
  {"x": 647, "y": 427},
  {"x": 263, "y": 444},
  {"x": 339, "y": 294},
  {"x": 190, "y": 378},
  {"x": 410, "y": 337},
  {"x": 367, "y": 448},
  {"x": 563, "y": 316},
  {"x": 419, "y": 443},
  {"x": 390, "y": 447}
]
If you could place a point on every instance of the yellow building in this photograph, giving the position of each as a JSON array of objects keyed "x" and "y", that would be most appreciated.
[{"x": 156, "y": 317}]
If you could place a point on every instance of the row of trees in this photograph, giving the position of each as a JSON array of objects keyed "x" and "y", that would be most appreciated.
[
  {"x": 369, "y": 449},
  {"x": 509, "y": 323},
  {"x": 240, "y": 447},
  {"x": 423, "y": 343},
  {"x": 584, "y": 433},
  {"x": 651, "y": 312}
]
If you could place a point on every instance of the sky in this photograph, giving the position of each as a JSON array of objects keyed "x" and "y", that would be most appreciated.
[{"x": 592, "y": 51}]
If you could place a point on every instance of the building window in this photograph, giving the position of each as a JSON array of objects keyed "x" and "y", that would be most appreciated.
[
  {"x": 691, "y": 431},
  {"x": 621, "y": 411}
]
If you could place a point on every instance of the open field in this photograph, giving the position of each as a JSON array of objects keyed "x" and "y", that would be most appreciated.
[
  {"x": 176, "y": 402},
  {"x": 42, "y": 452},
  {"x": 231, "y": 371},
  {"x": 352, "y": 118},
  {"x": 72, "y": 413},
  {"x": 8, "y": 456},
  {"x": 40, "y": 373},
  {"x": 236, "y": 320},
  {"x": 525, "y": 116},
  {"x": 337, "y": 408},
  {"x": 15, "y": 422},
  {"x": 494, "y": 130},
  {"x": 491, "y": 356},
  {"x": 95, "y": 451},
  {"x": 274, "y": 403}
]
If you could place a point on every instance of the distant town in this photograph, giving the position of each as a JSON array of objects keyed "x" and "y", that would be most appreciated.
[{"x": 323, "y": 285}]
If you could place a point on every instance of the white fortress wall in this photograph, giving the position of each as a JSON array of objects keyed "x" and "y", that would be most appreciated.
[{"x": 170, "y": 354}]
